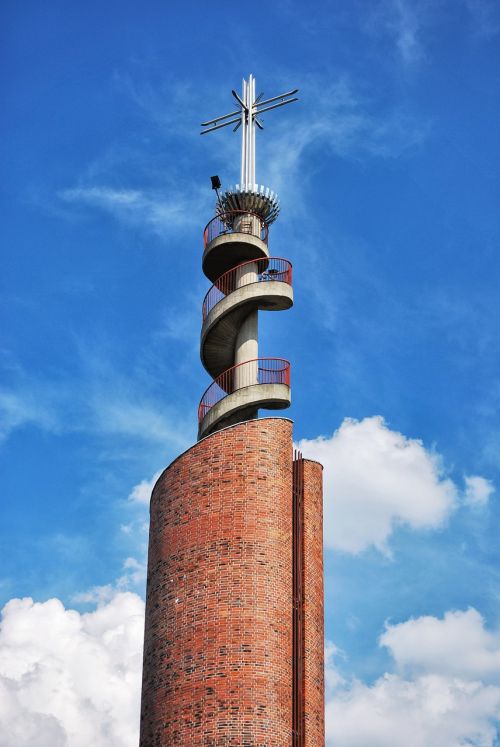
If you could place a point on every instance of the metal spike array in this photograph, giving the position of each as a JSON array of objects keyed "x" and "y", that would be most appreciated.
[{"x": 253, "y": 199}]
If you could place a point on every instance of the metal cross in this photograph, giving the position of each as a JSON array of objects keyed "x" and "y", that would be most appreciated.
[{"x": 246, "y": 118}]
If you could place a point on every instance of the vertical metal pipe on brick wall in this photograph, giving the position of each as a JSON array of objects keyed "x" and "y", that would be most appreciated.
[
  {"x": 313, "y": 605},
  {"x": 298, "y": 609},
  {"x": 308, "y": 687}
]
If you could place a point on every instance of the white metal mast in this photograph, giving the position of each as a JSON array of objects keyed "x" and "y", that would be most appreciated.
[{"x": 246, "y": 117}]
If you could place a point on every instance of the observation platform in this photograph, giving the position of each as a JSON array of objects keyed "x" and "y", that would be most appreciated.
[
  {"x": 238, "y": 393},
  {"x": 233, "y": 238}
]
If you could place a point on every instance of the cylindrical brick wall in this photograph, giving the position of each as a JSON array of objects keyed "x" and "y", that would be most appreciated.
[
  {"x": 314, "y": 686},
  {"x": 218, "y": 642}
]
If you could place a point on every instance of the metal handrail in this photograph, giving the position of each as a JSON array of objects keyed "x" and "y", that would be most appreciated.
[
  {"x": 266, "y": 269},
  {"x": 267, "y": 371},
  {"x": 223, "y": 223}
]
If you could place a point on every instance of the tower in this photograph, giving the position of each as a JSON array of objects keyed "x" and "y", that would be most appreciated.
[{"x": 233, "y": 651}]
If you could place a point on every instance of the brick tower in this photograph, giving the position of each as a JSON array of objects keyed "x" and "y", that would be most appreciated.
[{"x": 233, "y": 650}]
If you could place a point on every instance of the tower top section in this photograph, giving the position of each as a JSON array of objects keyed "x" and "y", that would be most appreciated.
[{"x": 250, "y": 107}]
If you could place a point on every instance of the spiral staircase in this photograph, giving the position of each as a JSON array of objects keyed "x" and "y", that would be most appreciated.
[{"x": 245, "y": 280}]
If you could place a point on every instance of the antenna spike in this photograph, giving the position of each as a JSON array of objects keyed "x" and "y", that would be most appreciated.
[
  {"x": 247, "y": 117},
  {"x": 219, "y": 126},
  {"x": 275, "y": 106},
  {"x": 239, "y": 100},
  {"x": 281, "y": 96},
  {"x": 219, "y": 119}
]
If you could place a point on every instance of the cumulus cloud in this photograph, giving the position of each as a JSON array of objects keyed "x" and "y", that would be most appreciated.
[
  {"x": 456, "y": 646},
  {"x": 449, "y": 695},
  {"x": 333, "y": 677},
  {"x": 376, "y": 479},
  {"x": 478, "y": 491},
  {"x": 135, "y": 573},
  {"x": 430, "y": 710},
  {"x": 134, "y": 576},
  {"x": 141, "y": 493},
  {"x": 69, "y": 679}
]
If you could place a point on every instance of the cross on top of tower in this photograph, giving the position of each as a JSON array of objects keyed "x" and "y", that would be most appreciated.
[{"x": 246, "y": 117}]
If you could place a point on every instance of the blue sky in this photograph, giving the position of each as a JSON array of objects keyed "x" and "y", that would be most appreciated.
[{"x": 387, "y": 171}]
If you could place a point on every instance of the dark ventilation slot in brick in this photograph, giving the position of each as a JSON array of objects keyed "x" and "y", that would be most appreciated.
[{"x": 298, "y": 601}]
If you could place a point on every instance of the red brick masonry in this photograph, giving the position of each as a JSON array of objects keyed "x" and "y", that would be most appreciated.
[
  {"x": 218, "y": 641},
  {"x": 314, "y": 665}
]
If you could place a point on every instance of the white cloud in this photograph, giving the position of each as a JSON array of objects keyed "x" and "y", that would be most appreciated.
[
  {"x": 98, "y": 399},
  {"x": 150, "y": 209},
  {"x": 146, "y": 420},
  {"x": 448, "y": 697},
  {"x": 376, "y": 479},
  {"x": 173, "y": 105},
  {"x": 134, "y": 576},
  {"x": 95, "y": 595},
  {"x": 134, "y": 569},
  {"x": 135, "y": 573},
  {"x": 339, "y": 120},
  {"x": 406, "y": 28},
  {"x": 156, "y": 212},
  {"x": 402, "y": 21},
  {"x": 141, "y": 493},
  {"x": 69, "y": 679},
  {"x": 22, "y": 408},
  {"x": 333, "y": 677},
  {"x": 430, "y": 710},
  {"x": 478, "y": 491},
  {"x": 105, "y": 408},
  {"x": 456, "y": 646}
]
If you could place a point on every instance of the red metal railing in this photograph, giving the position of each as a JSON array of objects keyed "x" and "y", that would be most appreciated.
[
  {"x": 236, "y": 221},
  {"x": 255, "y": 271},
  {"x": 257, "y": 371}
]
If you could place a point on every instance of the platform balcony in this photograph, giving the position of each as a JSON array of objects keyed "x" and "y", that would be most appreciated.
[
  {"x": 265, "y": 270},
  {"x": 232, "y": 238},
  {"x": 238, "y": 393},
  {"x": 235, "y": 221}
]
